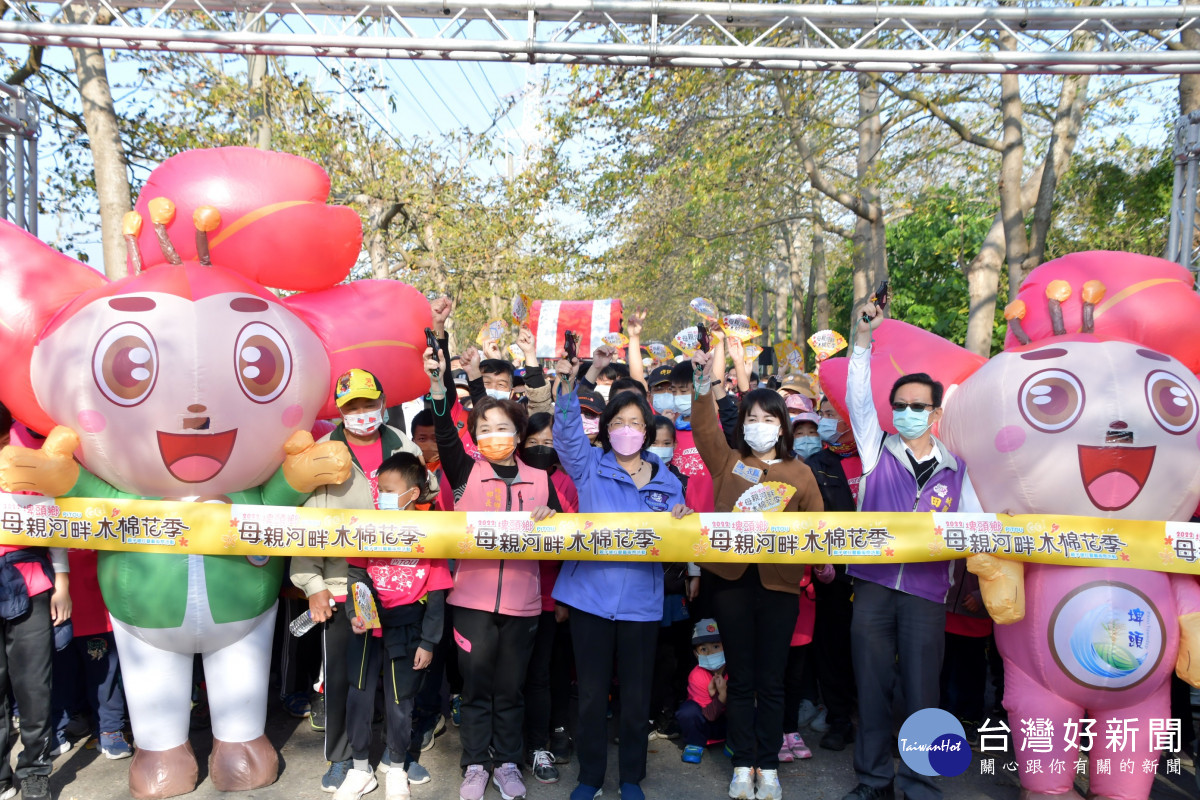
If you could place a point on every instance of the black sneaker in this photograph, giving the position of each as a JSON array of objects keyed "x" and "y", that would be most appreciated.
[
  {"x": 665, "y": 727},
  {"x": 316, "y": 716},
  {"x": 35, "y": 787},
  {"x": 837, "y": 738},
  {"x": 542, "y": 764},
  {"x": 864, "y": 792},
  {"x": 560, "y": 745}
]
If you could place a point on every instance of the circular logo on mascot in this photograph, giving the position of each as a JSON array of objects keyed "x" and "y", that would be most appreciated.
[
  {"x": 1106, "y": 636},
  {"x": 932, "y": 742}
]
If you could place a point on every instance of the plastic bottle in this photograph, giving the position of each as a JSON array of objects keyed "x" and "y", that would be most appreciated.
[{"x": 305, "y": 623}]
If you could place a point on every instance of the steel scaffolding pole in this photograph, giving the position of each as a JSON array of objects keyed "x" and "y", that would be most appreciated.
[
  {"x": 18, "y": 157},
  {"x": 1183, "y": 237},
  {"x": 867, "y": 37}
]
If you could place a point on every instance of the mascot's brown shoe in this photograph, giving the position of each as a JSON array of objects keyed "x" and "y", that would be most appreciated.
[
  {"x": 241, "y": 766},
  {"x": 156, "y": 774}
]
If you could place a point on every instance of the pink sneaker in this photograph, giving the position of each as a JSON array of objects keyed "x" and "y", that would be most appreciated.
[
  {"x": 796, "y": 744},
  {"x": 786, "y": 756},
  {"x": 507, "y": 778},
  {"x": 474, "y": 783}
]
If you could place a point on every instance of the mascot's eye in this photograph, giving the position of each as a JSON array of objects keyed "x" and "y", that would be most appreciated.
[
  {"x": 263, "y": 362},
  {"x": 1171, "y": 402},
  {"x": 125, "y": 364},
  {"x": 1051, "y": 400}
]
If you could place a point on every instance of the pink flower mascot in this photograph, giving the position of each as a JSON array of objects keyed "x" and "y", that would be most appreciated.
[
  {"x": 190, "y": 380},
  {"x": 1091, "y": 410}
]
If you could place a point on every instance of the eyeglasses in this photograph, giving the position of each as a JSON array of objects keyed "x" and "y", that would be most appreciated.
[
  {"x": 617, "y": 424},
  {"x": 917, "y": 407}
]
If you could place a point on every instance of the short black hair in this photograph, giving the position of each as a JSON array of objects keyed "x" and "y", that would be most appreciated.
[
  {"x": 935, "y": 387},
  {"x": 682, "y": 372},
  {"x": 770, "y": 402},
  {"x": 537, "y": 423},
  {"x": 497, "y": 366},
  {"x": 515, "y": 411},
  {"x": 619, "y": 403},
  {"x": 754, "y": 376},
  {"x": 423, "y": 419},
  {"x": 610, "y": 372},
  {"x": 408, "y": 467},
  {"x": 627, "y": 385},
  {"x": 662, "y": 423}
]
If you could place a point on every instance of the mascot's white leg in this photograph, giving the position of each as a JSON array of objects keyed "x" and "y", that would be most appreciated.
[
  {"x": 158, "y": 694},
  {"x": 237, "y": 676}
]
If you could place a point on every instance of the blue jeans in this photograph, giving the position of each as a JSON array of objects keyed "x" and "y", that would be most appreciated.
[{"x": 89, "y": 664}]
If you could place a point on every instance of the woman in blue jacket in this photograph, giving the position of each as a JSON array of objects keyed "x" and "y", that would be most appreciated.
[{"x": 615, "y": 607}]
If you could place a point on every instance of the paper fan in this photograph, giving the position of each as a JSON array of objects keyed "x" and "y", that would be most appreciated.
[
  {"x": 520, "y": 309},
  {"x": 688, "y": 341},
  {"x": 615, "y": 339},
  {"x": 741, "y": 326},
  {"x": 492, "y": 331},
  {"x": 786, "y": 352},
  {"x": 826, "y": 344},
  {"x": 752, "y": 351},
  {"x": 765, "y": 497},
  {"x": 659, "y": 351},
  {"x": 516, "y": 352},
  {"x": 705, "y": 308}
]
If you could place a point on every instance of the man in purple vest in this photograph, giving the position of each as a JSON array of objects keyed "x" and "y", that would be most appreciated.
[{"x": 899, "y": 611}]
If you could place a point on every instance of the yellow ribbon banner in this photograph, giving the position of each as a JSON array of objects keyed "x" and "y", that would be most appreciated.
[{"x": 155, "y": 526}]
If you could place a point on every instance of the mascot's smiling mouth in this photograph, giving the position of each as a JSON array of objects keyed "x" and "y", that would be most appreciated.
[
  {"x": 195, "y": 457},
  {"x": 1114, "y": 476}
]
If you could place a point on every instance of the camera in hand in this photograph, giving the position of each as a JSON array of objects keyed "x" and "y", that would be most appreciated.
[
  {"x": 432, "y": 343},
  {"x": 570, "y": 343},
  {"x": 880, "y": 299},
  {"x": 703, "y": 337}
]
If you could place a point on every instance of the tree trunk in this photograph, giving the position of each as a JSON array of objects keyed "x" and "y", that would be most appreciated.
[
  {"x": 983, "y": 286},
  {"x": 1063, "y": 135},
  {"x": 1012, "y": 165},
  {"x": 260, "y": 113},
  {"x": 870, "y": 240},
  {"x": 1189, "y": 83},
  {"x": 104, "y": 138}
]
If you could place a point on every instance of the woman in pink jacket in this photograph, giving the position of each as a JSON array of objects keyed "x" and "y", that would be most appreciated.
[{"x": 495, "y": 603}]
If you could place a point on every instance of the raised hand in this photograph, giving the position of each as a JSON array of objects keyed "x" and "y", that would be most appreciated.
[
  {"x": 441, "y": 308},
  {"x": 633, "y": 325},
  {"x": 528, "y": 345},
  {"x": 309, "y": 465}
]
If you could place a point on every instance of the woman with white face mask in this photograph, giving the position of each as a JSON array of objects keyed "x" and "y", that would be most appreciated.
[
  {"x": 496, "y": 602},
  {"x": 755, "y": 605}
]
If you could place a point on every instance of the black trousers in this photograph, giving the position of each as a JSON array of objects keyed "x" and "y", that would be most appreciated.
[
  {"x": 335, "y": 639},
  {"x": 964, "y": 676},
  {"x": 400, "y": 683},
  {"x": 26, "y": 660},
  {"x": 831, "y": 641},
  {"x": 889, "y": 627},
  {"x": 756, "y": 626},
  {"x": 672, "y": 663},
  {"x": 793, "y": 687},
  {"x": 493, "y": 655},
  {"x": 696, "y": 729},
  {"x": 598, "y": 641},
  {"x": 548, "y": 682}
]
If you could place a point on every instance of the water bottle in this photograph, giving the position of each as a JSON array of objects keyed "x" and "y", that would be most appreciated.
[{"x": 305, "y": 623}]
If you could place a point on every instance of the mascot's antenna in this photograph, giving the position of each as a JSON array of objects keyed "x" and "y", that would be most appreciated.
[
  {"x": 206, "y": 219},
  {"x": 131, "y": 226},
  {"x": 162, "y": 213}
]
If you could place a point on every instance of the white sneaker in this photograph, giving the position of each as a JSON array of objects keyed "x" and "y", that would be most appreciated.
[
  {"x": 742, "y": 785},
  {"x": 9, "y": 793},
  {"x": 768, "y": 785},
  {"x": 396, "y": 784},
  {"x": 358, "y": 782}
]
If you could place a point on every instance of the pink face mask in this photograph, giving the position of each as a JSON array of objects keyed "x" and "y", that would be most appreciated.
[{"x": 626, "y": 441}]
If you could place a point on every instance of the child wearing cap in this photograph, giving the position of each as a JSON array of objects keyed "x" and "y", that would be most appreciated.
[
  {"x": 361, "y": 401},
  {"x": 702, "y": 716},
  {"x": 806, "y": 441}
]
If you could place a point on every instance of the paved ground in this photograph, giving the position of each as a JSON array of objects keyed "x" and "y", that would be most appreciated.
[{"x": 83, "y": 774}]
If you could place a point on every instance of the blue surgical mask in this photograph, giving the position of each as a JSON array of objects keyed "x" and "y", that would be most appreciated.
[
  {"x": 827, "y": 429},
  {"x": 806, "y": 446},
  {"x": 911, "y": 424},
  {"x": 499, "y": 394},
  {"x": 683, "y": 404},
  {"x": 662, "y": 402},
  {"x": 665, "y": 454},
  {"x": 712, "y": 661}
]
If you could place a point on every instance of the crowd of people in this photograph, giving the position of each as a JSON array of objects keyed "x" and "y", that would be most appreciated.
[{"x": 728, "y": 660}]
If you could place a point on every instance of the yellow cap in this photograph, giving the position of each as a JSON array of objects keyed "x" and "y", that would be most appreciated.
[{"x": 356, "y": 383}]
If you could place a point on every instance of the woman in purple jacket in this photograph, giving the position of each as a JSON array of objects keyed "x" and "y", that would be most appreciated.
[{"x": 615, "y": 607}]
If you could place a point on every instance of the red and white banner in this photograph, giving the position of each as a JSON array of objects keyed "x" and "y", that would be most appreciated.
[{"x": 591, "y": 319}]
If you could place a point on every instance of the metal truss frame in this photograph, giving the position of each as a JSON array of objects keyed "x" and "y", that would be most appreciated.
[
  {"x": 1183, "y": 238},
  {"x": 952, "y": 37},
  {"x": 18, "y": 157}
]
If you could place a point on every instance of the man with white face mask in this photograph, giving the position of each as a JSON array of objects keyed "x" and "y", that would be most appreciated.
[
  {"x": 361, "y": 401},
  {"x": 899, "y": 611}
]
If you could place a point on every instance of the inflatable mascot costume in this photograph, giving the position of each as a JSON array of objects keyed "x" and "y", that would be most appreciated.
[{"x": 190, "y": 380}]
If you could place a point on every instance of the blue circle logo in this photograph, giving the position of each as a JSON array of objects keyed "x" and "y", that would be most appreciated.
[{"x": 932, "y": 742}]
